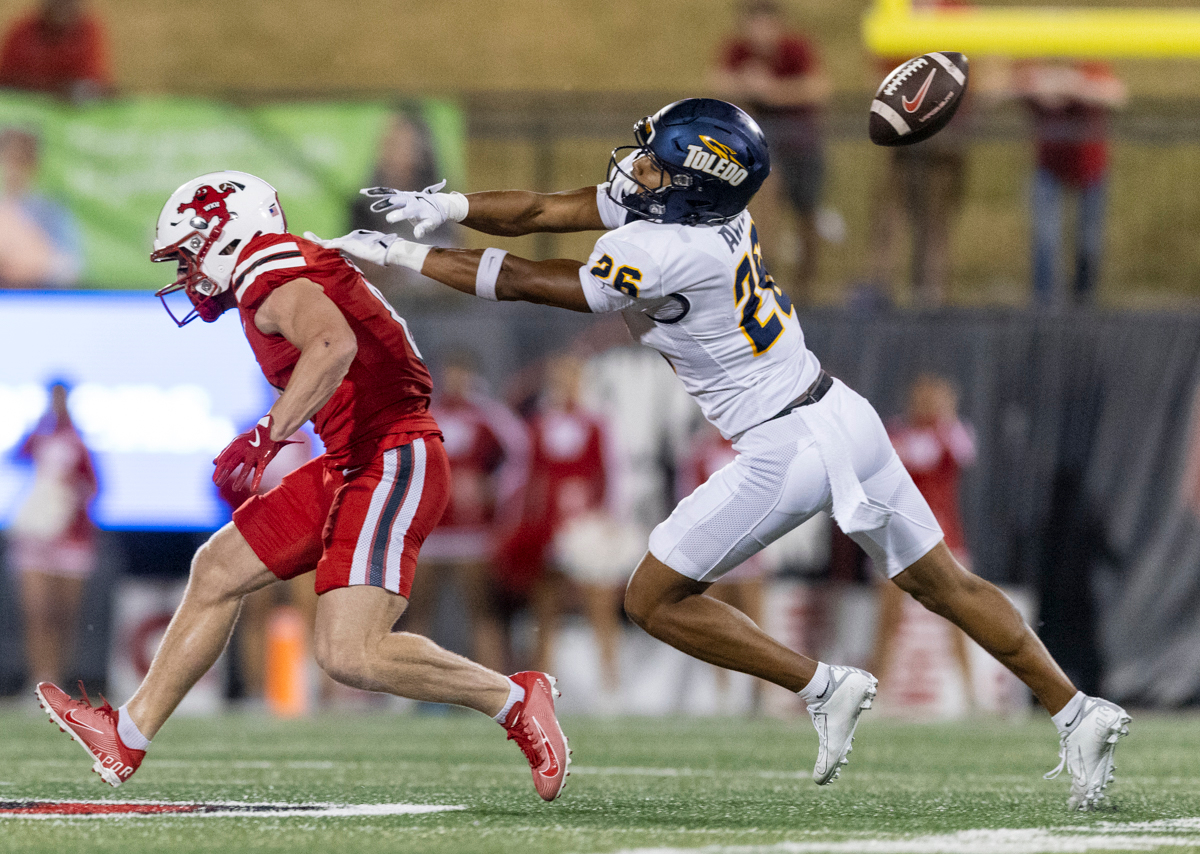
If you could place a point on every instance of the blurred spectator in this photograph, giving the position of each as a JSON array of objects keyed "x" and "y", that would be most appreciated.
[
  {"x": 406, "y": 160},
  {"x": 921, "y": 190},
  {"x": 1070, "y": 105},
  {"x": 775, "y": 74},
  {"x": 568, "y": 479},
  {"x": 488, "y": 448},
  {"x": 52, "y": 538},
  {"x": 60, "y": 48},
  {"x": 39, "y": 239},
  {"x": 935, "y": 446}
]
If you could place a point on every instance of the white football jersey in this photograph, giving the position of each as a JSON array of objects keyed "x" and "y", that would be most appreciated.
[{"x": 701, "y": 296}]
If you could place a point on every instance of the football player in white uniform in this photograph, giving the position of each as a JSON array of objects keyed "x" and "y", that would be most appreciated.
[{"x": 681, "y": 261}]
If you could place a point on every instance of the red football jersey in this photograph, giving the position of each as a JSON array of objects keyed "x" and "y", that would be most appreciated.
[{"x": 384, "y": 400}]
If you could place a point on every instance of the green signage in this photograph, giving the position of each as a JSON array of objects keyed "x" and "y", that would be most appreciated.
[{"x": 114, "y": 163}]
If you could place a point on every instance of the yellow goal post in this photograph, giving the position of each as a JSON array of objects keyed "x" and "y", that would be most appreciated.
[{"x": 895, "y": 28}]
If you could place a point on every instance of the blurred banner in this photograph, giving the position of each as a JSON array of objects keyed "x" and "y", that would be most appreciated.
[
  {"x": 114, "y": 163},
  {"x": 153, "y": 403}
]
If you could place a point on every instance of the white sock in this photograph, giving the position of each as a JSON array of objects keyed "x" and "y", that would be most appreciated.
[
  {"x": 516, "y": 694},
  {"x": 817, "y": 685},
  {"x": 131, "y": 736},
  {"x": 1065, "y": 719}
]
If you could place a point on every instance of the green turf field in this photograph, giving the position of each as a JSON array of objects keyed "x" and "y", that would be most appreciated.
[{"x": 716, "y": 785}]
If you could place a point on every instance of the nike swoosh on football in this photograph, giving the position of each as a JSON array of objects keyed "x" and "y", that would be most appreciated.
[
  {"x": 551, "y": 766},
  {"x": 915, "y": 104},
  {"x": 70, "y": 718}
]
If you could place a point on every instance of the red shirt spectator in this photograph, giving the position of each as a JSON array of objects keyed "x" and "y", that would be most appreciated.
[
  {"x": 935, "y": 456},
  {"x": 59, "y": 49},
  {"x": 1070, "y": 106},
  {"x": 64, "y": 465},
  {"x": 489, "y": 453},
  {"x": 791, "y": 56},
  {"x": 935, "y": 446},
  {"x": 568, "y": 475}
]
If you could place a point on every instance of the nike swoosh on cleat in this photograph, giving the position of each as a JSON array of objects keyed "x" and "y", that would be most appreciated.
[
  {"x": 70, "y": 718},
  {"x": 915, "y": 104},
  {"x": 550, "y": 767}
]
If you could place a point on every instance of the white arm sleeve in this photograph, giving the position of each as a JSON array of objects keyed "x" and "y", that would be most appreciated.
[
  {"x": 601, "y": 299},
  {"x": 611, "y": 213}
]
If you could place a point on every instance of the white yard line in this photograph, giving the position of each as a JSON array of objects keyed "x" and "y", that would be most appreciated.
[
  {"x": 1103, "y": 836},
  {"x": 235, "y": 809}
]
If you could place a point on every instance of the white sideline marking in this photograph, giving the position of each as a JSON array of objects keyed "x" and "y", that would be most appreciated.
[
  {"x": 239, "y": 809},
  {"x": 1103, "y": 836}
]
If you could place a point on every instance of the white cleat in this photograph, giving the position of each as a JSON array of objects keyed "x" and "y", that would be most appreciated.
[
  {"x": 835, "y": 715},
  {"x": 1086, "y": 751}
]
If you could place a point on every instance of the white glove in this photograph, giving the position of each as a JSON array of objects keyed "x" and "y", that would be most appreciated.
[
  {"x": 376, "y": 247},
  {"x": 426, "y": 210}
]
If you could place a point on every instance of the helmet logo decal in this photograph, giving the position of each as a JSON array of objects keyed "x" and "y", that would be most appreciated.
[
  {"x": 720, "y": 148},
  {"x": 719, "y": 160},
  {"x": 208, "y": 203}
]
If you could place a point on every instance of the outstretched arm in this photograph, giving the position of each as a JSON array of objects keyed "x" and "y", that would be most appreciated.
[
  {"x": 510, "y": 213},
  {"x": 554, "y": 282},
  {"x": 488, "y": 273}
]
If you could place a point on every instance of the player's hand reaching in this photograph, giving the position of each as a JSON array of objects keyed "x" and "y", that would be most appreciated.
[
  {"x": 369, "y": 246},
  {"x": 426, "y": 210},
  {"x": 252, "y": 451},
  {"x": 376, "y": 247}
]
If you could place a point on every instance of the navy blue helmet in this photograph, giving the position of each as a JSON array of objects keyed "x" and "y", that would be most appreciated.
[{"x": 716, "y": 157}]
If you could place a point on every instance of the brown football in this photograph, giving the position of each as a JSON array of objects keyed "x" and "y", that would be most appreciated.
[{"x": 918, "y": 98}]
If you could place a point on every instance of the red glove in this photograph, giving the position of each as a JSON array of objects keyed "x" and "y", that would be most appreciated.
[{"x": 252, "y": 451}]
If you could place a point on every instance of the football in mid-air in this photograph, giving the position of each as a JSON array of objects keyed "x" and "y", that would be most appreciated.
[{"x": 918, "y": 98}]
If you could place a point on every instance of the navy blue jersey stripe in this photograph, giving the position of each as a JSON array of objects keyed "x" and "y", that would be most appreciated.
[{"x": 383, "y": 532}]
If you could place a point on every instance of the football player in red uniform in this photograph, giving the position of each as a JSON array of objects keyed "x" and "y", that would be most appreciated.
[{"x": 357, "y": 514}]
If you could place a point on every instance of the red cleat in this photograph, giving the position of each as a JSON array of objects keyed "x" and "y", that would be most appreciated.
[
  {"x": 94, "y": 727},
  {"x": 532, "y": 725}
]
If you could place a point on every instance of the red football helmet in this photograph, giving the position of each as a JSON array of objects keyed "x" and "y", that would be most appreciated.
[{"x": 202, "y": 227}]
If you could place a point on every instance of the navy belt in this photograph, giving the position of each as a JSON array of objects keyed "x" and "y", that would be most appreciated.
[{"x": 815, "y": 392}]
